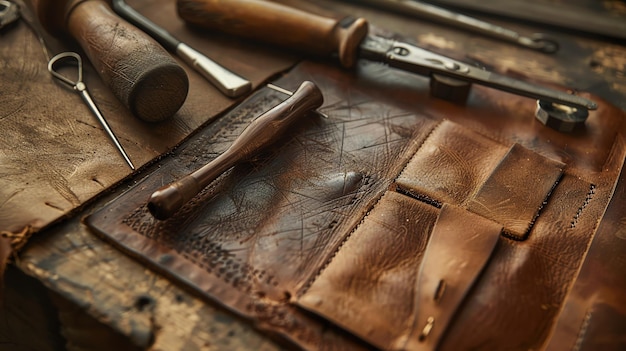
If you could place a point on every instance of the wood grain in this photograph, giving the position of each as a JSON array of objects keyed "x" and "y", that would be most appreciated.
[{"x": 285, "y": 26}]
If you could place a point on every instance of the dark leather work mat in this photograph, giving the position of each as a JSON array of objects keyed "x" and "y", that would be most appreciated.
[{"x": 265, "y": 237}]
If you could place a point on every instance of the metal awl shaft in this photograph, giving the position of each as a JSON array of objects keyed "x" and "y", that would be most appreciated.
[{"x": 92, "y": 106}]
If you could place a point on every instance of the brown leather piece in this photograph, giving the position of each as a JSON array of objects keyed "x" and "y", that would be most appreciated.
[
  {"x": 54, "y": 153},
  {"x": 594, "y": 314},
  {"x": 516, "y": 190},
  {"x": 460, "y": 246},
  {"x": 461, "y": 167},
  {"x": 370, "y": 285},
  {"x": 521, "y": 290},
  {"x": 255, "y": 237},
  {"x": 385, "y": 281},
  {"x": 451, "y": 165}
]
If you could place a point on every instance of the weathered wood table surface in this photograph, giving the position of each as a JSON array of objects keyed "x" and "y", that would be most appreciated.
[{"x": 67, "y": 288}]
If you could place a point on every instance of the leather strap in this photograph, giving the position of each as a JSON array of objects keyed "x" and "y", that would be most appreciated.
[
  {"x": 459, "y": 248},
  {"x": 369, "y": 286}
]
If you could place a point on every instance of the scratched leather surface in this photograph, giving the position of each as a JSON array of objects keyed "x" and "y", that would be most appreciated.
[
  {"x": 55, "y": 156},
  {"x": 323, "y": 239}
]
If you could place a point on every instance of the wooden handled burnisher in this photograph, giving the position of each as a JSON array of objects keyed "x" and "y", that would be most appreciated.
[
  {"x": 139, "y": 72},
  {"x": 258, "y": 135}
]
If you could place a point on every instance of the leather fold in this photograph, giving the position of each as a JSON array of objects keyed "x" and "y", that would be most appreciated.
[
  {"x": 398, "y": 287},
  {"x": 369, "y": 287},
  {"x": 517, "y": 190},
  {"x": 509, "y": 185},
  {"x": 593, "y": 316}
]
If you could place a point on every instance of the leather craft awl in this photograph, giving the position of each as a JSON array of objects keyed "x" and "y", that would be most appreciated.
[
  {"x": 258, "y": 135},
  {"x": 349, "y": 40}
]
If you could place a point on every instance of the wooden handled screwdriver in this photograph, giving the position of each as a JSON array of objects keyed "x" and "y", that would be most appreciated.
[
  {"x": 139, "y": 72},
  {"x": 278, "y": 24},
  {"x": 349, "y": 40},
  {"x": 257, "y": 136}
]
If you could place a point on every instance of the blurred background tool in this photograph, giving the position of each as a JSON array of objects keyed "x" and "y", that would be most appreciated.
[
  {"x": 536, "y": 41},
  {"x": 81, "y": 88},
  {"x": 258, "y": 135},
  {"x": 283, "y": 25},
  {"x": 597, "y": 18},
  {"x": 139, "y": 72},
  {"x": 226, "y": 81},
  {"x": 9, "y": 13}
]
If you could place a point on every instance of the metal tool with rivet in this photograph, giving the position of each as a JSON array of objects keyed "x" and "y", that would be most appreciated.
[
  {"x": 258, "y": 135},
  {"x": 229, "y": 83},
  {"x": 81, "y": 88},
  {"x": 349, "y": 40}
]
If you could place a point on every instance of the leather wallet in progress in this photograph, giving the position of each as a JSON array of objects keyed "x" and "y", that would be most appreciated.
[{"x": 400, "y": 222}]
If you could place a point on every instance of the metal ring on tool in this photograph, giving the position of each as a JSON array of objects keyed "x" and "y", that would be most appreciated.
[
  {"x": 58, "y": 58},
  {"x": 81, "y": 88}
]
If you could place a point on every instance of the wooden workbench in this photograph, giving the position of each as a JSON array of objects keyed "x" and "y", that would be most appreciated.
[{"x": 76, "y": 291}]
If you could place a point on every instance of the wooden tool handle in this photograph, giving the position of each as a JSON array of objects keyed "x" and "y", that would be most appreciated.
[
  {"x": 278, "y": 24},
  {"x": 257, "y": 136},
  {"x": 141, "y": 74}
]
